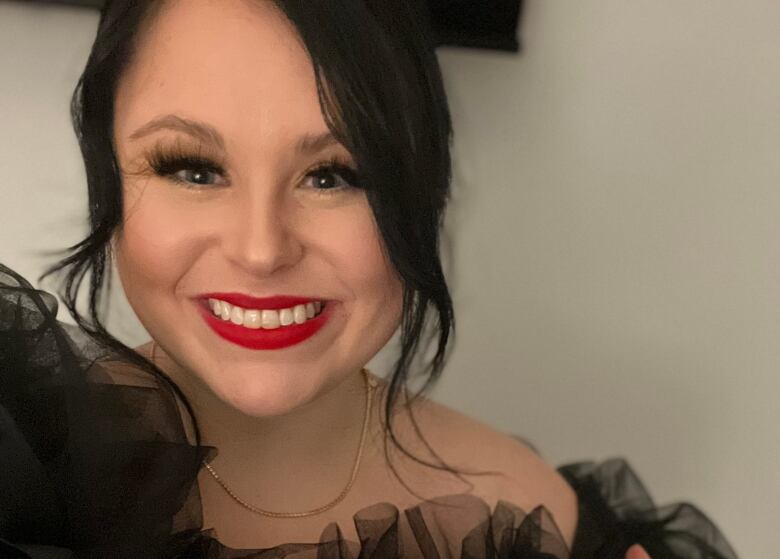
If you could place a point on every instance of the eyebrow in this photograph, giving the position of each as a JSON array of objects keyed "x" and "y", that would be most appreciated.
[{"x": 307, "y": 144}]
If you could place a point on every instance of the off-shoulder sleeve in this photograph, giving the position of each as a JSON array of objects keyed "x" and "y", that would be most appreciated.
[
  {"x": 616, "y": 511},
  {"x": 88, "y": 468}
]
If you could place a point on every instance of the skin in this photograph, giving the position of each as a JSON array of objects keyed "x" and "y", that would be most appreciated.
[{"x": 262, "y": 228}]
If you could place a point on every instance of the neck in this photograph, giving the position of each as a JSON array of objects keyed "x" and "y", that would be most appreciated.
[{"x": 299, "y": 459}]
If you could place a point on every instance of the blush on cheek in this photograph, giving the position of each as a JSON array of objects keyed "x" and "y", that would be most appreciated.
[
  {"x": 160, "y": 233},
  {"x": 154, "y": 249},
  {"x": 374, "y": 271}
]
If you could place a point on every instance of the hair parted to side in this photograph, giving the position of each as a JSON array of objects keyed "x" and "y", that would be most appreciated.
[{"x": 381, "y": 94}]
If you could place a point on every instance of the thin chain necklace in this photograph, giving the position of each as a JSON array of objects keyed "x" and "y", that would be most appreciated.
[{"x": 370, "y": 386}]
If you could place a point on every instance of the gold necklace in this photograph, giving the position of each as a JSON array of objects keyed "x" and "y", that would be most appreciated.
[{"x": 370, "y": 386}]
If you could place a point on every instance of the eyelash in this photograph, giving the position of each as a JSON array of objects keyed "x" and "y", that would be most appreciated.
[{"x": 166, "y": 162}]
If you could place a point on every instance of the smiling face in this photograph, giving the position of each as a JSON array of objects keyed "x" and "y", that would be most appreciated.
[{"x": 261, "y": 205}]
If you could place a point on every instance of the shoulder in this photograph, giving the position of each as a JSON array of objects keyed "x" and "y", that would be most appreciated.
[{"x": 524, "y": 478}]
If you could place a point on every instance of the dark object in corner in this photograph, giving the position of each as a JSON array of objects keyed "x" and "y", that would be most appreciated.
[{"x": 483, "y": 24}]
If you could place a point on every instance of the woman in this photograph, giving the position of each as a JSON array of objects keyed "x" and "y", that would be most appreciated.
[{"x": 269, "y": 179}]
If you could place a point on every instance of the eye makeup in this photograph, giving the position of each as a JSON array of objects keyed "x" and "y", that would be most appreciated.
[
  {"x": 169, "y": 160},
  {"x": 166, "y": 159}
]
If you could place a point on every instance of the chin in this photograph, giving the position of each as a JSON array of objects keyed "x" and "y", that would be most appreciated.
[{"x": 261, "y": 397}]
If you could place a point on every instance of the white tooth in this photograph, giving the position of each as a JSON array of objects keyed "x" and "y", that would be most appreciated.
[
  {"x": 237, "y": 315},
  {"x": 299, "y": 314},
  {"x": 216, "y": 307},
  {"x": 310, "y": 310},
  {"x": 212, "y": 304},
  {"x": 252, "y": 319},
  {"x": 225, "y": 310},
  {"x": 270, "y": 319},
  {"x": 286, "y": 317}
]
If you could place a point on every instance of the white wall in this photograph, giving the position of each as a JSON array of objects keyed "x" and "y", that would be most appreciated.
[{"x": 616, "y": 221}]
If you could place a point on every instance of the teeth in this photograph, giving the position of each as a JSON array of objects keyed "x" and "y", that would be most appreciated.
[
  {"x": 237, "y": 315},
  {"x": 270, "y": 319},
  {"x": 286, "y": 317},
  {"x": 267, "y": 319},
  {"x": 299, "y": 314},
  {"x": 252, "y": 319},
  {"x": 225, "y": 311}
]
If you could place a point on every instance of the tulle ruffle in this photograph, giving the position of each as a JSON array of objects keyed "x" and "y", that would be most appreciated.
[{"x": 96, "y": 465}]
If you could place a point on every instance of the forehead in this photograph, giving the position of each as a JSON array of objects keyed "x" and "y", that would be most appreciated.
[{"x": 237, "y": 64}]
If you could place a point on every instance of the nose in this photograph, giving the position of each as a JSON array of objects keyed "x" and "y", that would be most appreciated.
[{"x": 260, "y": 234}]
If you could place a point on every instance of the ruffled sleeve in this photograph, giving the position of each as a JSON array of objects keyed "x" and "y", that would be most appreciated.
[
  {"x": 95, "y": 465},
  {"x": 616, "y": 511},
  {"x": 90, "y": 468}
]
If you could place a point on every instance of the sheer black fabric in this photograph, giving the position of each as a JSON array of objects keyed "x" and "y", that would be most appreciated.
[{"x": 97, "y": 465}]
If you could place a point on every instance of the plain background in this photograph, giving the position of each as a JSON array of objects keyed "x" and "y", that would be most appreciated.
[{"x": 616, "y": 230}]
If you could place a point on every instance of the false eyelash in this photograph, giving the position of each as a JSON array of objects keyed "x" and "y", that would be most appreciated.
[
  {"x": 166, "y": 161},
  {"x": 339, "y": 167}
]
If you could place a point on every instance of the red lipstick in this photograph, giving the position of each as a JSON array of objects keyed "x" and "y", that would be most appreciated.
[{"x": 276, "y": 338}]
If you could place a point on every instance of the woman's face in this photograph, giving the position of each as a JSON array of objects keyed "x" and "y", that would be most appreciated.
[{"x": 254, "y": 220}]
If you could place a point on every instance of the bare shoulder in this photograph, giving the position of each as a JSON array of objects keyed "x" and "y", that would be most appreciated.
[{"x": 526, "y": 479}]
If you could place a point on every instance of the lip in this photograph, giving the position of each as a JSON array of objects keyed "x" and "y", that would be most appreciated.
[
  {"x": 268, "y": 303},
  {"x": 276, "y": 338}
]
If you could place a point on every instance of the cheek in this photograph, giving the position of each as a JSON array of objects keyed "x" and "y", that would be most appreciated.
[
  {"x": 155, "y": 246},
  {"x": 369, "y": 271}
]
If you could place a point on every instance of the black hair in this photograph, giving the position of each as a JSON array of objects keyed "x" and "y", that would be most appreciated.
[{"x": 382, "y": 95}]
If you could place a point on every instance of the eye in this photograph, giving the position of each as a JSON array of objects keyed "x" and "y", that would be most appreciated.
[
  {"x": 195, "y": 175},
  {"x": 200, "y": 170},
  {"x": 190, "y": 171},
  {"x": 332, "y": 177}
]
